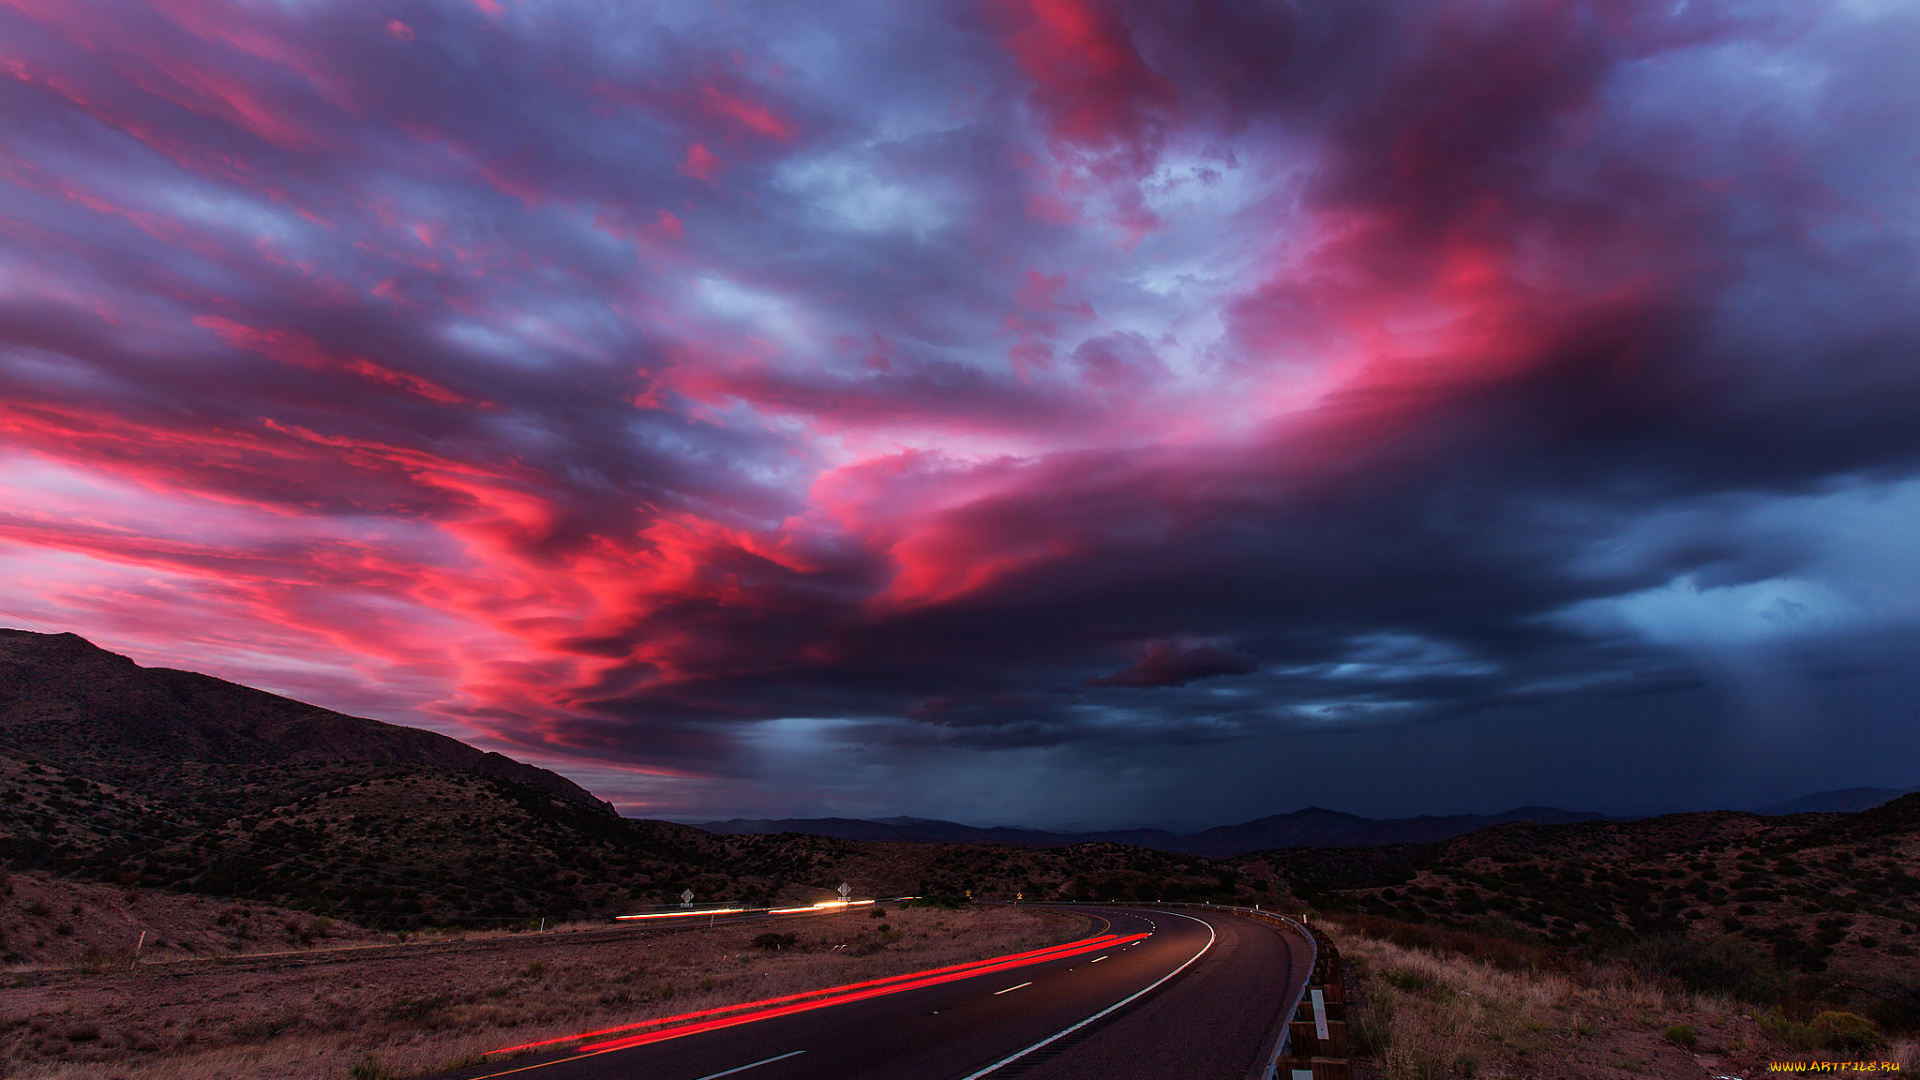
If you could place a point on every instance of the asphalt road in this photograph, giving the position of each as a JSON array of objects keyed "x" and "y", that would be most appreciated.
[{"x": 1219, "y": 982}]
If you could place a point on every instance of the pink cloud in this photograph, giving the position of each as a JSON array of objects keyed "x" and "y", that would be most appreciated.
[
  {"x": 757, "y": 118},
  {"x": 700, "y": 163}
]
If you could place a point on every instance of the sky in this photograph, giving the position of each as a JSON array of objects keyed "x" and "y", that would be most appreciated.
[{"x": 1053, "y": 412}]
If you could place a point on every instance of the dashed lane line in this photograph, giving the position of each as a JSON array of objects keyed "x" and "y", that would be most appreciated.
[{"x": 755, "y": 1065}]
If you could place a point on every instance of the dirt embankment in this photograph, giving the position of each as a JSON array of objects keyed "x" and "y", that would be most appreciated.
[{"x": 417, "y": 1009}]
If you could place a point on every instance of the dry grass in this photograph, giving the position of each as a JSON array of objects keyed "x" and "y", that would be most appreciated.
[
  {"x": 53, "y": 922},
  {"x": 1434, "y": 1016},
  {"x": 428, "y": 1010}
]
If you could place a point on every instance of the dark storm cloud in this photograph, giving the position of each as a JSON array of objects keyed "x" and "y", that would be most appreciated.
[{"x": 696, "y": 389}]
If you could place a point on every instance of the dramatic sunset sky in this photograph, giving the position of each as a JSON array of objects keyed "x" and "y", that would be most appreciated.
[{"x": 1039, "y": 411}]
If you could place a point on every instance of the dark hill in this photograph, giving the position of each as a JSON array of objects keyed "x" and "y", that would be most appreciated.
[{"x": 154, "y": 731}]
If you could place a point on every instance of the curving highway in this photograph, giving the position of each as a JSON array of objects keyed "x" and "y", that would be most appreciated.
[{"x": 1186, "y": 995}]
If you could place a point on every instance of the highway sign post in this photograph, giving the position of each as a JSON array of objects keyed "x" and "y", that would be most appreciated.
[{"x": 845, "y": 891}]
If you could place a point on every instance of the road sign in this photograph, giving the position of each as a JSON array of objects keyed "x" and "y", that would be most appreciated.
[
  {"x": 686, "y": 898},
  {"x": 845, "y": 889}
]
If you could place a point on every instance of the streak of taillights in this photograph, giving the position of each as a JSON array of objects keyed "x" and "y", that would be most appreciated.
[
  {"x": 966, "y": 970},
  {"x": 838, "y": 999}
]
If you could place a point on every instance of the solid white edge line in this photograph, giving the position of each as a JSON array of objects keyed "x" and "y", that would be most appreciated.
[
  {"x": 755, "y": 1065},
  {"x": 1008, "y": 990},
  {"x": 1058, "y": 1035}
]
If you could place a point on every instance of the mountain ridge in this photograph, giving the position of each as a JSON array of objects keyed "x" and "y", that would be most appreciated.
[
  {"x": 64, "y": 698},
  {"x": 1310, "y": 827},
  {"x": 1840, "y": 801}
]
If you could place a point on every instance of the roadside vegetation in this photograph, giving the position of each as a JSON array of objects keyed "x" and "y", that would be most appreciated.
[
  {"x": 1451, "y": 1003},
  {"x": 1740, "y": 934}
]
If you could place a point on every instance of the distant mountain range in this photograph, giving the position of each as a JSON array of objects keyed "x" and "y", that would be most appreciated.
[
  {"x": 1844, "y": 801},
  {"x": 1312, "y": 827}
]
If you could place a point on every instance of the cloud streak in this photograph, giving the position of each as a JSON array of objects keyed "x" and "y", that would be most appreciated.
[{"x": 643, "y": 392}]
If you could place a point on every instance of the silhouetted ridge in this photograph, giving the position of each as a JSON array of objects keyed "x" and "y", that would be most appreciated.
[
  {"x": 1843, "y": 801},
  {"x": 66, "y": 700},
  {"x": 1313, "y": 827}
]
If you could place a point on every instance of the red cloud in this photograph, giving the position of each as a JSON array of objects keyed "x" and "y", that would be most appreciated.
[
  {"x": 289, "y": 346},
  {"x": 757, "y": 118},
  {"x": 1091, "y": 84},
  {"x": 700, "y": 163}
]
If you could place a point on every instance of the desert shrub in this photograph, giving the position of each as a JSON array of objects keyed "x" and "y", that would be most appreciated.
[
  {"x": 774, "y": 942},
  {"x": 1798, "y": 1037},
  {"x": 1847, "y": 1032},
  {"x": 1725, "y": 966},
  {"x": 369, "y": 1069},
  {"x": 418, "y": 1011},
  {"x": 1411, "y": 981},
  {"x": 258, "y": 1030},
  {"x": 1500, "y": 944},
  {"x": 1681, "y": 1035},
  {"x": 1897, "y": 1010}
]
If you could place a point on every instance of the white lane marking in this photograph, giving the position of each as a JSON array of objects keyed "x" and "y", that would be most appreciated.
[
  {"x": 1097, "y": 959},
  {"x": 996, "y": 993},
  {"x": 1122, "y": 1003},
  {"x": 755, "y": 1065}
]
